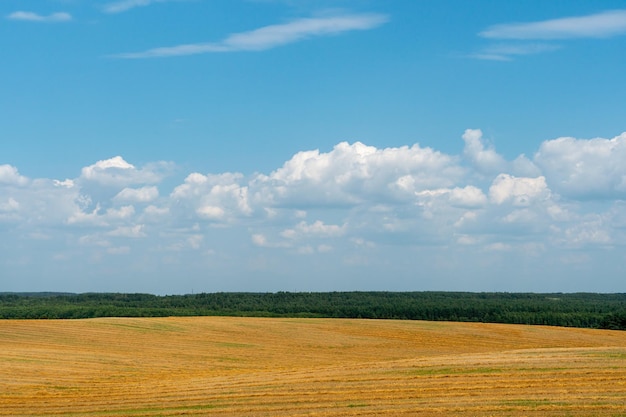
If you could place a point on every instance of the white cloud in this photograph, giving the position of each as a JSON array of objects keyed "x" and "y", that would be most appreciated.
[
  {"x": 592, "y": 230},
  {"x": 10, "y": 175},
  {"x": 466, "y": 197},
  {"x": 316, "y": 229},
  {"x": 135, "y": 231},
  {"x": 94, "y": 240},
  {"x": 586, "y": 169},
  {"x": 599, "y": 25},
  {"x": 214, "y": 197},
  {"x": 358, "y": 202},
  {"x": 272, "y": 36},
  {"x": 499, "y": 247},
  {"x": 138, "y": 195},
  {"x": 486, "y": 160},
  {"x": 154, "y": 210},
  {"x": 516, "y": 36},
  {"x": 519, "y": 216},
  {"x": 362, "y": 243},
  {"x": 98, "y": 217},
  {"x": 9, "y": 210},
  {"x": 524, "y": 167},
  {"x": 40, "y": 201},
  {"x": 95, "y": 172},
  {"x": 67, "y": 183},
  {"x": 259, "y": 240},
  {"x": 110, "y": 181},
  {"x": 10, "y": 205},
  {"x": 506, "y": 52},
  {"x": 185, "y": 240},
  {"x": 125, "y": 5},
  {"x": 210, "y": 212},
  {"x": 34, "y": 17},
  {"x": 353, "y": 174},
  {"x": 518, "y": 191}
]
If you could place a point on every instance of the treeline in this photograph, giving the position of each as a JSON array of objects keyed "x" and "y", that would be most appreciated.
[{"x": 591, "y": 310}]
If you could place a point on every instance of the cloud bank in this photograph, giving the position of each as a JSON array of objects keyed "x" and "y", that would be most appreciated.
[{"x": 350, "y": 204}]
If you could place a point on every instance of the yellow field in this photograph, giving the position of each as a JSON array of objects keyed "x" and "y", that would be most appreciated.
[{"x": 315, "y": 367}]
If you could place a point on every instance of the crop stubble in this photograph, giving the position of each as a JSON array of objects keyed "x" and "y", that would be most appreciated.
[{"x": 228, "y": 366}]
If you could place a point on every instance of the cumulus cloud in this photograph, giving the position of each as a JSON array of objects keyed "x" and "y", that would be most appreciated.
[
  {"x": 518, "y": 191},
  {"x": 99, "y": 217},
  {"x": 262, "y": 241},
  {"x": 214, "y": 197},
  {"x": 117, "y": 172},
  {"x": 9, "y": 210},
  {"x": 587, "y": 169},
  {"x": 37, "y": 202},
  {"x": 210, "y": 212},
  {"x": 271, "y": 36},
  {"x": 155, "y": 212},
  {"x": 94, "y": 240},
  {"x": 66, "y": 183},
  {"x": 466, "y": 197},
  {"x": 35, "y": 17},
  {"x": 352, "y": 201},
  {"x": 10, "y": 175},
  {"x": 10, "y": 205},
  {"x": 353, "y": 174},
  {"x": 137, "y": 195},
  {"x": 316, "y": 229},
  {"x": 135, "y": 231},
  {"x": 591, "y": 230},
  {"x": 486, "y": 160}
]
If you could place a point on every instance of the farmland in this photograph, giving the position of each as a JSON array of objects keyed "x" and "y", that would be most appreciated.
[{"x": 233, "y": 366}]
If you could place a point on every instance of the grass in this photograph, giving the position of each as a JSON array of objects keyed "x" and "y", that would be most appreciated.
[{"x": 226, "y": 366}]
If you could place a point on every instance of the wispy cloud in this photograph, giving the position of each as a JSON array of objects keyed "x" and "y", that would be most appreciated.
[
  {"x": 124, "y": 5},
  {"x": 599, "y": 25},
  {"x": 271, "y": 36},
  {"x": 34, "y": 17},
  {"x": 506, "y": 52}
]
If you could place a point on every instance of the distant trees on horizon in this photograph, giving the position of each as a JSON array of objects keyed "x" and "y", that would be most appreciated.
[{"x": 607, "y": 311}]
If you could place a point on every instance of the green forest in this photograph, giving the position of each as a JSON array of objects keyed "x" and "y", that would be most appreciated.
[{"x": 606, "y": 311}]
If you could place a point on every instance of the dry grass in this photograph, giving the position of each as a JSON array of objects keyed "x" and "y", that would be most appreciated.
[{"x": 296, "y": 367}]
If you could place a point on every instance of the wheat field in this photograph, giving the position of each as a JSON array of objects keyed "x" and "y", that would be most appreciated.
[{"x": 225, "y": 366}]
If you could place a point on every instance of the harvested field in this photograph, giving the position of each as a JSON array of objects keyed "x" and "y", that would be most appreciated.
[{"x": 224, "y": 366}]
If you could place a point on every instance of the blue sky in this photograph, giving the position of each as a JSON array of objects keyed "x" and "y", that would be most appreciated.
[{"x": 170, "y": 146}]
